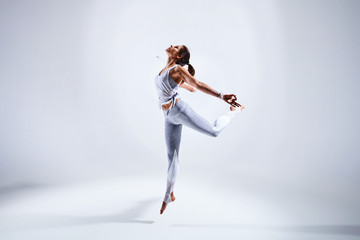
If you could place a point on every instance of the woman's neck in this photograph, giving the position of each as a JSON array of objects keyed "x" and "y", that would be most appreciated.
[{"x": 170, "y": 62}]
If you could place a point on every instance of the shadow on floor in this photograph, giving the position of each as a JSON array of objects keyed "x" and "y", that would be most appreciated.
[
  {"x": 9, "y": 192},
  {"x": 323, "y": 229},
  {"x": 130, "y": 215}
]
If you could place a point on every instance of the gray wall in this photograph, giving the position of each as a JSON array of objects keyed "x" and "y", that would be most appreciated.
[{"x": 78, "y": 102}]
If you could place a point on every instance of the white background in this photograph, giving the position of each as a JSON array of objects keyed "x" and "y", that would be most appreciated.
[{"x": 78, "y": 101}]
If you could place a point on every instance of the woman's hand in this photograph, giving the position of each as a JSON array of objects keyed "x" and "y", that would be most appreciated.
[{"x": 231, "y": 99}]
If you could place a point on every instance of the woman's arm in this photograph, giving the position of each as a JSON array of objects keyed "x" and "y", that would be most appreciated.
[
  {"x": 229, "y": 98},
  {"x": 197, "y": 84},
  {"x": 187, "y": 87}
]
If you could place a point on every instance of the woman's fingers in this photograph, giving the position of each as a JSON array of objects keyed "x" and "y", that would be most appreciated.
[
  {"x": 236, "y": 104},
  {"x": 231, "y": 99}
]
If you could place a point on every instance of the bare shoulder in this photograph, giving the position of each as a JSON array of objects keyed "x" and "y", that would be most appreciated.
[
  {"x": 177, "y": 74},
  {"x": 180, "y": 69}
]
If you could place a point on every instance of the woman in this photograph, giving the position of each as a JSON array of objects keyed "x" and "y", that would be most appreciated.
[{"x": 178, "y": 113}]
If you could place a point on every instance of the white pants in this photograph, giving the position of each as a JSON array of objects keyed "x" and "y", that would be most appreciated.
[{"x": 177, "y": 116}]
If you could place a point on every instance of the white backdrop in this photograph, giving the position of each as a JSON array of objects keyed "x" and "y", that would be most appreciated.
[{"x": 78, "y": 102}]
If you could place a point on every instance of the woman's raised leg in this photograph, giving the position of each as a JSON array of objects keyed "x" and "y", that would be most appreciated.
[{"x": 190, "y": 118}]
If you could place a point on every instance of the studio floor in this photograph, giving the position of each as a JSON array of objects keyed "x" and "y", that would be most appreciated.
[{"x": 128, "y": 208}]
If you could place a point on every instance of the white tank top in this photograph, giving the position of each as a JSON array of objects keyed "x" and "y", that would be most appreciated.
[{"x": 166, "y": 87}]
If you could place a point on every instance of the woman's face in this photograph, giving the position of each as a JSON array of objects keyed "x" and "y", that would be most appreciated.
[{"x": 173, "y": 51}]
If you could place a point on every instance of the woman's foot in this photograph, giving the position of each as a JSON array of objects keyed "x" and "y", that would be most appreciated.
[
  {"x": 164, "y": 204},
  {"x": 163, "y": 207},
  {"x": 172, "y": 196}
]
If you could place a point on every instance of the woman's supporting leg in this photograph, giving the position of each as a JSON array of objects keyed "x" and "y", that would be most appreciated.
[
  {"x": 172, "y": 137},
  {"x": 190, "y": 118}
]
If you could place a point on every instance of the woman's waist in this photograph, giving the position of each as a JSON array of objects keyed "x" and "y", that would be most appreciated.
[
  {"x": 166, "y": 100},
  {"x": 167, "y": 106},
  {"x": 175, "y": 109}
]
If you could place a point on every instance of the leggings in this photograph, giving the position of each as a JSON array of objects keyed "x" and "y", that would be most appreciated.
[{"x": 177, "y": 116}]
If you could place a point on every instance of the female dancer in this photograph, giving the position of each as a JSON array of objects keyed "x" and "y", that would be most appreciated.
[{"x": 178, "y": 113}]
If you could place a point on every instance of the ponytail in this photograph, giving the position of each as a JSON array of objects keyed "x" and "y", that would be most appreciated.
[
  {"x": 191, "y": 69},
  {"x": 185, "y": 53}
]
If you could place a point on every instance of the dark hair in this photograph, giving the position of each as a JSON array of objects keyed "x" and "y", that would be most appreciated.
[{"x": 185, "y": 53}]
